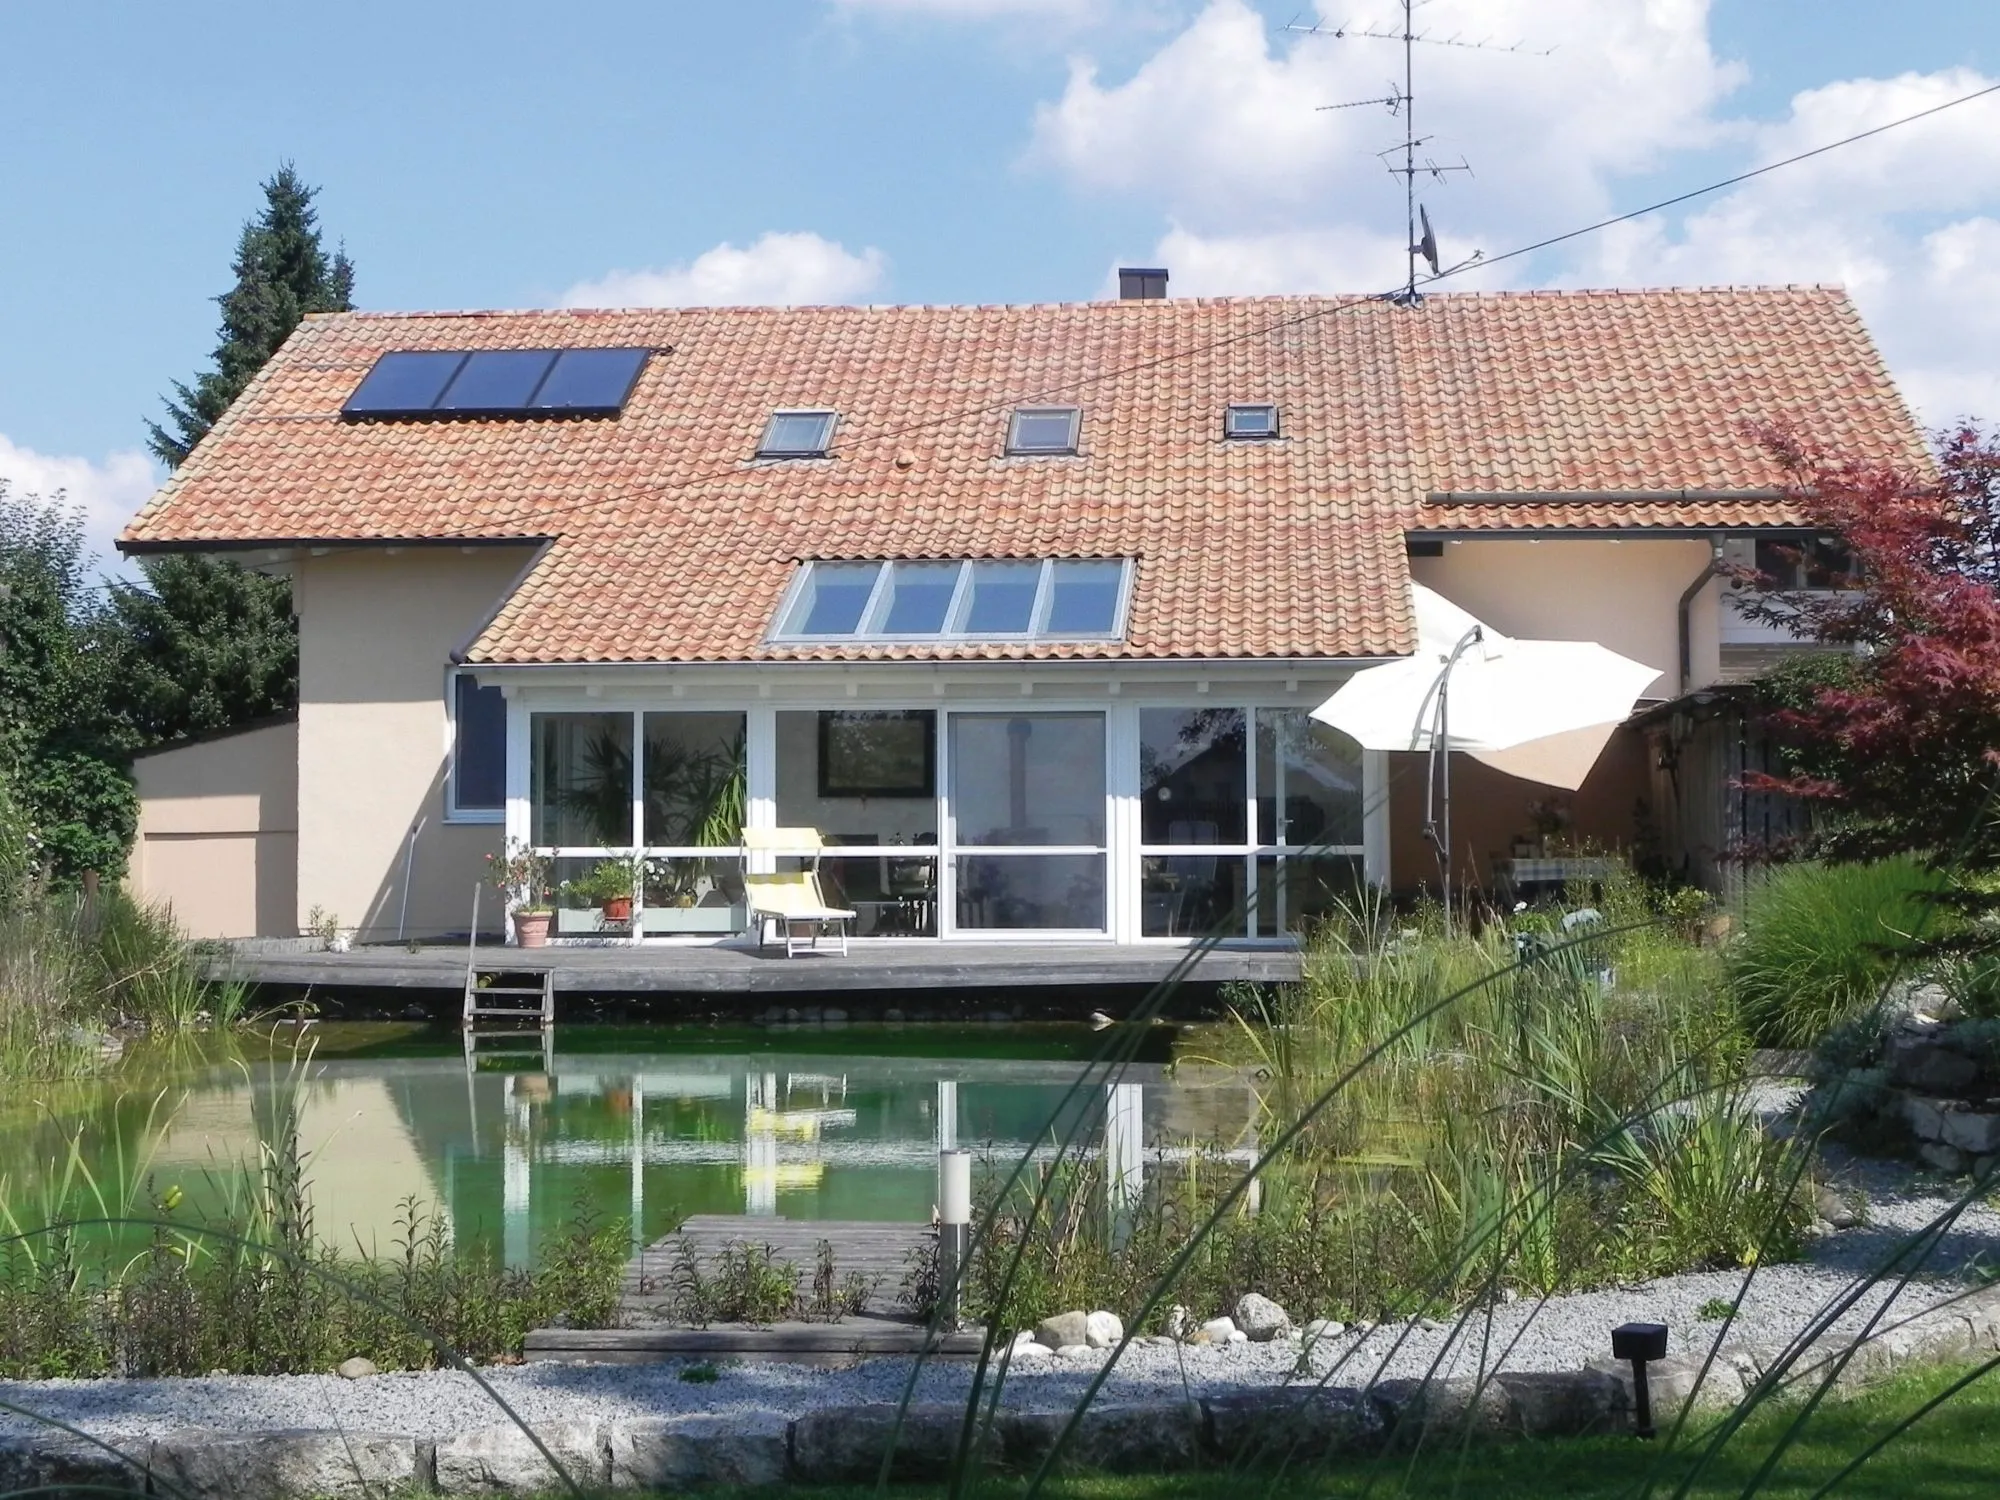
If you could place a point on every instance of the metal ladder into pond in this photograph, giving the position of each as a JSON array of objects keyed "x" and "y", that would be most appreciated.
[{"x": 508, "y": 982}]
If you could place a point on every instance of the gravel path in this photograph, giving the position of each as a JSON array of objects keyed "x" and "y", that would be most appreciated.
[{"x": 1560, "y": 1334}]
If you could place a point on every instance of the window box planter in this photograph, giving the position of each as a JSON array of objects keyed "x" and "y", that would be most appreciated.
[{"x": 716, "y": 921}]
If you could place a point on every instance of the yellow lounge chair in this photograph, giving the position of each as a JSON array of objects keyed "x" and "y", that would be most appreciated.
[{"x": 793, "y": 899}]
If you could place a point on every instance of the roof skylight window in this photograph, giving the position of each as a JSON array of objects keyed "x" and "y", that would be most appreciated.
[
  {"x": 832, "y": 600},
  {"x": 1084, "y": 599},
  {"x": 1254, "y": 420},
  {"x": 1057, "y": 599},
  {"x": 1043, "y": 430},
  {"x": 1000, "y": 598},
  {"x": 797, "y": 434},
  {"x": 498, "y": 383}
]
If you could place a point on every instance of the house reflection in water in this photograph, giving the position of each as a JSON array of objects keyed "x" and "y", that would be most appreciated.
[{"x": 512, "y": 1148}]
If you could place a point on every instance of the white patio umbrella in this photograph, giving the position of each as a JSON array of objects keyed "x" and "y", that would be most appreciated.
[{"x": 1540, "y": 710}]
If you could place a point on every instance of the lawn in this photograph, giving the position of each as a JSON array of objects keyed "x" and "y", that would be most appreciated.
[{"x": 1954, "y": 1451}]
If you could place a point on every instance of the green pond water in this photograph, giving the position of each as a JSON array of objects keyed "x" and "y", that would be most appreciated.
[{"x": 643, "y": 1125}]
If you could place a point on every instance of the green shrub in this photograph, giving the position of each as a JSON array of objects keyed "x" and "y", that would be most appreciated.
[{"x": 1820, "y": 943}]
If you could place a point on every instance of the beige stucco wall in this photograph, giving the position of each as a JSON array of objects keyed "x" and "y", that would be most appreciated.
[
  {"x": 217, "y": 838},
  {"x": 1621, "y": 594},
  {"x": 377, "y": 627}
]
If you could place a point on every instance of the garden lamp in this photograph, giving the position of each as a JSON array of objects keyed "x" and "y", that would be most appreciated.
[
  {"x": 1641, "y": 1343},
  {"x": 954, "y": 1228}
]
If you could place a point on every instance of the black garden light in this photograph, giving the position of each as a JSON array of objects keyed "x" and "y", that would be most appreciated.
[{"x": 1641, "y": 1343}]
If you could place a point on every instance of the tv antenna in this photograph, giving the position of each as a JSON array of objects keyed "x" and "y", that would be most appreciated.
[{"x": 1401, "y": 102}]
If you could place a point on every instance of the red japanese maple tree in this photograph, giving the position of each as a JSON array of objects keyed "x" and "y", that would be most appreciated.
[{"x": 1901, "y": 747}]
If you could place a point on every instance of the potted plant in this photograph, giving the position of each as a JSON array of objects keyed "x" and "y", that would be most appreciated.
[
  {"x": 522, "y": 874},
  {"x": 608, "y": 887}
]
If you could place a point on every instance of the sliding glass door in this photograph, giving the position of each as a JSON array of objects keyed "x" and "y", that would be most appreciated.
[
  {"x": 1250, "y": 822},
  {"x": 1027, "y": 838}
]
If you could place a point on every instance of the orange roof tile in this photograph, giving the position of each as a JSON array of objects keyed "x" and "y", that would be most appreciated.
[{"x": 670, "y": 543}]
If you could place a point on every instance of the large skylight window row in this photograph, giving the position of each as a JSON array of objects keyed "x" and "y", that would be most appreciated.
[{"x": 1055, "y": 599}]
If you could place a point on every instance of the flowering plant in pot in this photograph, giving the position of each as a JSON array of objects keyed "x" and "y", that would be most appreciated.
[
  {"x": 522, "y": 874},
  {"x": 608, "y": 887}
]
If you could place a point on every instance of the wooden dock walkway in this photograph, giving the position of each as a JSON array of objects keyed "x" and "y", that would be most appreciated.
[
  {"x": 879, "y": 1251},
  {"x": 868, "y": 970}
]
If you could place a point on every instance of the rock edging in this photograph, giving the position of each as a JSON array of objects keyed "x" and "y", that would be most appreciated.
[{"x": 845, "y": 1444}]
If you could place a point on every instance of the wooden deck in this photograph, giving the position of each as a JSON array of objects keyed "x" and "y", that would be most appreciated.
[
  {"x": 658, "y": 968},
  {"x": 879, "y": 1251}
]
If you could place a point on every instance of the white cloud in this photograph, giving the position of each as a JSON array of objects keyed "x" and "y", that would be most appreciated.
[
  {"x": 1335, "y": 259},
  {"x": 787, "y": 269},
  {"x": 108, "y": 494},
  {"x": 1261, "y": 191},
  {"x": 1225, "y": 126}
]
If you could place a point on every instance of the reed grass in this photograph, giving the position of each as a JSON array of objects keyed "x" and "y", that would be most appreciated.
[
  {"x": 108, "y": 1273},
  {"x": 1579, "y": 1119},
  {"x": 78, "y": 972}
]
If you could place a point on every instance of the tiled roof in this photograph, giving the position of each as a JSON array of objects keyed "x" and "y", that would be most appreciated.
[{"x": 669, "y": 543}]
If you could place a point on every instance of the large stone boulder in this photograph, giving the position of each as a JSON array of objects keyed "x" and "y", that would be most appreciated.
[
  {"x": 1563, "y": 1403},
  {"x": 1063, "y": 1328},
  {"x": 678, "y": 1453},
  {"x": 1924, "y": 1062},
  {"x": 1455, "y": 1410},
  {"x": 844, "y": 1445},
  {"x": 1292, "y": 1426},
  {"x": 1103, "y": 1330},
  {"x": 1153, "y": 1437},
  {"x": 296, "y": 1465},
  {"x": 1261, "y": 1318},
  {"x": 503, "y": 1461},
  {"x": 54, "y": 1460}
]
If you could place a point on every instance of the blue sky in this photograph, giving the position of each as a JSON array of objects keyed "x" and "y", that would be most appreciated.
[{"x": 946, "y": 150}]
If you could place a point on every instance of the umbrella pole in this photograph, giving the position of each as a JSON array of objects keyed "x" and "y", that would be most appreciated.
[{"x": 1439, "y": 770}]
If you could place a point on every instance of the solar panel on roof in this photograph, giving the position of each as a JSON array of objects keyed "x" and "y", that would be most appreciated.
[
  {"x": 590, "y": 382},
  {"x": 403, "y": 383},
  {"x": 496, "y": 382}
]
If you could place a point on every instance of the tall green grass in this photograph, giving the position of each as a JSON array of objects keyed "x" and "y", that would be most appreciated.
[
  {"x": 110, "y": 1274},
  {"x": 1820, "y": 943},
  {"x": 78, "y": 971},
  {"x": 1578, "y": 1118}
]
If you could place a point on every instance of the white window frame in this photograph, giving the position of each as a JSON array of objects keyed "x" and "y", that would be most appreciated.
[
  {"x": 954, "y": 632},
  {"x": 1124, "y": 853},
  {"x": 826, "y": 443},
  {"x": 1369, "y": 854},
  {"x": 453, "y": 813}
]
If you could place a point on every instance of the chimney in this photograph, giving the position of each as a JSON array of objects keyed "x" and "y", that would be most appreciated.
[{"x": 1141, "y": 283}]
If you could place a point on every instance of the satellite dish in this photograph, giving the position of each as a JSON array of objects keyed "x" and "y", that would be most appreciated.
[{"x": 1427, "y": 246}]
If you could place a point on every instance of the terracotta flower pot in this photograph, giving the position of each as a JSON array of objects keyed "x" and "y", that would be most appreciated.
[
  {"x": 531, "y": 928},
  {"x": 618, "y": 909}
]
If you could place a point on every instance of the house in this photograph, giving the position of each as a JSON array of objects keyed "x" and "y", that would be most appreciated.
[{"x": 1023, "y": 607}]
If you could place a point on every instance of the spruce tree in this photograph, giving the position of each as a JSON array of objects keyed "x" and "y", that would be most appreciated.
[{"x": 282, "y": 273}]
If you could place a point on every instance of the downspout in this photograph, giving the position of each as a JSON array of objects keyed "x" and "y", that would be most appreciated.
[{"x": 1711, "y": 570}]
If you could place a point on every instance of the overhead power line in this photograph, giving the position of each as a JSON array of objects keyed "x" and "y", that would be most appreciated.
[{"x": 1727, "y": 182}]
